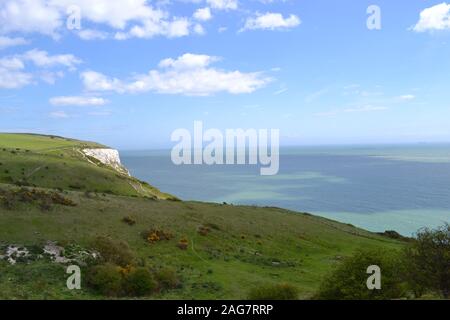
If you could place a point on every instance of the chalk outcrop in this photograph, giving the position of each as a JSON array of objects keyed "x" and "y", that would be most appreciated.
[{"x": 109, "y": 157}]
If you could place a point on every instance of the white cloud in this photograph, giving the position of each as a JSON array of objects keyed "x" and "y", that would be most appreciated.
[
  {"x": 50, "y": 77},
  {"x": 13, "y": 74},
  {"x": 198, "y": 29},
  {"x": 117, "y": 14},
  {"x": 95, "y": 81},
  {"x": 13, "y": 78},
  {"x": 434, "y": 18},
  {"x": 280, "y": 91},
  {"x": 6, "y": 42},
  {"x": 127, "y": 18},
  {"x": 271, "y": 21},
  {"x": 407, "y": 97},
  {"x": 223, "y": 4},
  {"x": 77, "y": 101},
  {"x": 29, "y": 16},
  {"x": 90, "y": 34},
  {"x": 316, "y": 95},
  {"x": 203, "y": 14},
  {"x": 12, "y": 63},
  {"x": 188, "y": 61},
  {"x": 189, "y": 74},
  {"x": 59, "y": 115},
  {"x": 178, "y": 27},
  {"x": 42, "y": 59}
]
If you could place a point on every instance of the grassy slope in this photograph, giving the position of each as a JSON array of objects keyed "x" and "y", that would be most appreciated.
[
  {"x": 54, "y": 162},
  {"x": 223, "y": 264},
  {"x": 38, "y": 142}
]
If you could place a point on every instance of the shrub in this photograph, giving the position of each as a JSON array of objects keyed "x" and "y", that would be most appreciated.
[
  {"x": 22, "y": 183},
  {"x": 59, "y": 199},
  {"x": 129, "y": 220},
  {"x": 167, "y": 279},
  {"x": 283, "y": 291},
  {"x": 139, "y": 282},
  {"x": 394, "y": 235},
  {"x": 7, "y": 200},
  {"x": 203, "y": 230},
  {"x": 44, "y": 199},
  {"x": 105, "y": 279},
  {"x": 212, "y": 226},
  {"x": 124, "y": 271},
  {"x": 427, "y": 261},
  {"x": 112, "y": 251},
  {"x": 183, "y": 244},
  {"x": 114, "y": 281},
  {"x": 155, "y": 235},
  {"x": 349, "y": 279},
  {"x": 45, "y": 205}
]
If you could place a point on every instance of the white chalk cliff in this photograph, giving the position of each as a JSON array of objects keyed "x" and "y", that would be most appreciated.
[{"x": 109, "y": 157}]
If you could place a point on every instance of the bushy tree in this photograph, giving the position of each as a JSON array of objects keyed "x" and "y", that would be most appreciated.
[
  {"x": 113, "y": 251},
  {"x": 105, "y": 279},
  {"x": 139, "y": 282},
  {"x": 114, "y": 281},
  {"x": 427, "y": 262},
  {"x": 348, "y": 281},
  {"x": 167, "y": 279}
]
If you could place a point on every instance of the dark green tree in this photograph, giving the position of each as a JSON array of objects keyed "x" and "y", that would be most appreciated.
[
  {"x": 348, "y": 281},
  {"x": 427, "y": 262}
]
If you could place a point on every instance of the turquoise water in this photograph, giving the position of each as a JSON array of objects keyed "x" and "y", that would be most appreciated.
[{"x": 379, "y": 188}]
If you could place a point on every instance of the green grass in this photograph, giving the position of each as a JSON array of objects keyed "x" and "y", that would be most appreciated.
[
  {"x": 246, "y": 247},
  {"x": 53, "y": 162},
  {"x": 38, "y": 142}
]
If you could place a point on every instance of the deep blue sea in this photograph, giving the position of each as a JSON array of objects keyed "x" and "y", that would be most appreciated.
[{"x": 379, "y": 188}]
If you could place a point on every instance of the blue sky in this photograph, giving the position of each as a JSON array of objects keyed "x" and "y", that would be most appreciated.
[{"x": 137, "y": 70}]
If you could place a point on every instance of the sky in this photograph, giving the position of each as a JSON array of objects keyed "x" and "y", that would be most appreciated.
[{"x": 127, "y": 73}]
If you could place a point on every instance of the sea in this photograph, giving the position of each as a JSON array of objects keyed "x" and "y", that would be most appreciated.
[{"x": 377, "y": 187}]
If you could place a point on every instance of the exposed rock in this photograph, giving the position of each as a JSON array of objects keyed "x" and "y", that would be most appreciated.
[
  {"x": 71, "y": 254},
  {"x": 55, "y": 252},
  {"x": 109, "y": 157},
  {"x": 15, "y": 253}
]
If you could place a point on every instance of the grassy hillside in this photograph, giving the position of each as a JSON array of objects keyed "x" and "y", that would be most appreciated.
[
  {"x": 55, "y": 162},
  {"x": 230, "y": 249},
  {"x": 37, "y": 142}
]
